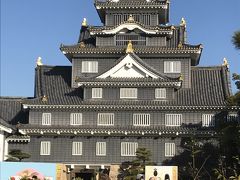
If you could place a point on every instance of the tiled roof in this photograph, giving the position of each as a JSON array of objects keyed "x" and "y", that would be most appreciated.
[
  {"x": 130, "y": 3},
  {"x": 55, "y": 83},
  {"x": 74, "y": 49},
  {"x": 157, "y": 130},
  {"x": 210, "y": 87},
  {"x": 10, "y": 110}
]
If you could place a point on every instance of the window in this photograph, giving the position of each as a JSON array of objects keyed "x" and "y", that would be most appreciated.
[
  {"x": 141, "y": 119},
  {"x": 172, "y": 66},
  {"x": 169, "y": 149},
  {"x": 89, "y": 67},
  {"x": 160, "y": 93},
  {"x": 76, "y": 119},
  {"x": 105, "y": 119},
  {"x": 146, "y": 19},
  {"x": 129, "y": 148},
  {"x": 173, "y": 119},
  {"x": 101, "y": 148},
  {"x": 231, "y": 117},
  {"x": 208, "y": 120},
  {"x": 128, "y": 93},
  {"x": 45, "y": 149},
  {"x": 76, "y": 148},
  {"x": 46, "y": 119},
  {"x": 96, "y": 92},
  {"x": 123, "y": 39}
]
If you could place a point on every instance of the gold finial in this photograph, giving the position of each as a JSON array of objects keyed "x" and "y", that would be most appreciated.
[
  {"x": 180, "y": 45},
  {"x": 130, "y": 19},
  {"x": 44, "y": 98},
  {"x": 39, "y": 61},
  {"x": 225, "y": 62},
  {"x": 173, "y": 28},
  {"x": 130, "y": 47},
  {"x": 82, "y": 45},
  {"x": 183, "y": 22},
  {"x": 181, "y": 77},
  {"x": 84, "y": 23}
]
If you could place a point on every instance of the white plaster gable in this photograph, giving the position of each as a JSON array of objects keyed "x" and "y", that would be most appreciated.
[
  {"x": 130, "y": 27},
  {"x": 128, "y": 68}
]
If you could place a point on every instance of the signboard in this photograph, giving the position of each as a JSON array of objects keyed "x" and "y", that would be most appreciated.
[
  {"x": 41, "y": 171},
  {"x": 161, "y": 173}
]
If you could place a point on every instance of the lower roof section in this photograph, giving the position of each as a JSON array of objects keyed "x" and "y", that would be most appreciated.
[
  {"x": 209, "y": 89},
  {"x": 155, "y": 131}
]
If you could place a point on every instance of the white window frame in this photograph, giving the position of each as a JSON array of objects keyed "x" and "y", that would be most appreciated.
[
  {"x": 160, "y": 93},
  {"x": 97, "y": 93},
  {"x": 101, "y": 149},
  {"x": 208, "y": 120},
  {"x": 128, "y": 93},
  {"x": 141, "y": 119},
  {"x": 170, "y": 149},
  {"x": 232, "y": 117},
  {"x": 77, "y": 148},
  {"x": 108, "y": 121},
  {"x": 129, "y": 148},
  {"x": 89, "y": 66},
  {"x": 172, "y": 66},
  {"x": 76, "y": 119},
  {"x": 46, "y": 119},
  {"x": 173, "y": 120},
  {"x": 45, "y": 148}
]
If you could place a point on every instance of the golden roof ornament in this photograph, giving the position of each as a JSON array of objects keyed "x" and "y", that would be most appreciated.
[
  {"x": 44, "y": 98},
  {"x": 183, "y": 22},
  {"x": 84, "y": 23},
  {"x": 180, "y": 45},
  {"x": 130, "y": 19},
  {"x": 181, "y": 78},
  {"x": 225, "y": 62},
  {"x": 173, "y": 28},
  {"x": 39, "y": 61},
  {"x": 130, "y": 47},
  {"x": 82, "y": 45}
]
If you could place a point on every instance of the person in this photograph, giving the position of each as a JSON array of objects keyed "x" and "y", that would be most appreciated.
[
  {"x": 155, "y": 173},
  {"x": 167, "y": 177}
]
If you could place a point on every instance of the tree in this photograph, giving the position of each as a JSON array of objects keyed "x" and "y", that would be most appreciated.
[
  {"x": 17, "y": 155},
  {"x": 236, "y": 39},
  {"x": 196, "y": 159},
  {"x": 130, "y": 170}
]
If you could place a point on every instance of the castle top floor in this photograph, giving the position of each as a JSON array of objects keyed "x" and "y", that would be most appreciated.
[{"x": 147, "y": 12}]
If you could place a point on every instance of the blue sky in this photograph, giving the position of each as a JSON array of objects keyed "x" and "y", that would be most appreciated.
[{"x": 32, "y": 28}]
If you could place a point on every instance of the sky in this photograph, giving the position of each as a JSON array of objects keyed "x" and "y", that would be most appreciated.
[{"x": 31, "y": 28}]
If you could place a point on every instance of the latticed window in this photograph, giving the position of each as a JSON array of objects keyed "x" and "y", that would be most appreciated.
[
  {"x": 123, "y": 39},
  {"x": 45, "y": 149},
  {"x": 105, "y": 119},
  {"x": 77, "y": 148},
  {"x": 208, "y": 120},
  {"x": 76, "y": 118},
  {"x": 142, "y": 18},
  {"x": 101, "y": 148},
  {"x": 146, "y": 19},
  {"x": 173, "y": 119},
  {"x": 172, "y": 66},
  {"x": 170, "y": 149},
  {"x": 233, "y": 117},
  {"x": 129, "y": 148},
  {"x": 97, "y": 93},
  {"x": 128, "y": 93},
  {"x": 46, "y": 118},
  {"x": 160, "y": 93},
  {"x": 141, "y": 119},
  {"x": 89, "y": 67}
]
